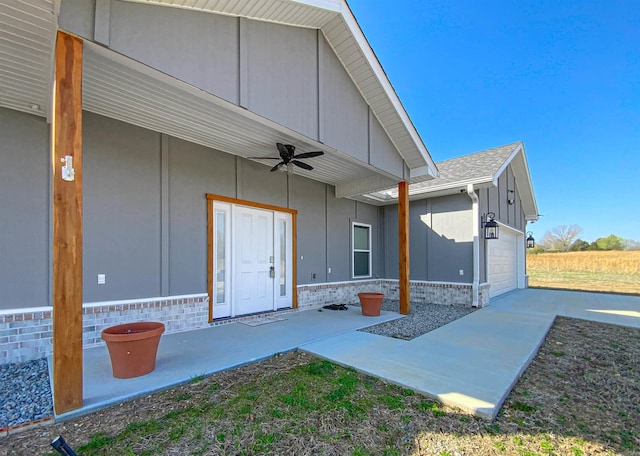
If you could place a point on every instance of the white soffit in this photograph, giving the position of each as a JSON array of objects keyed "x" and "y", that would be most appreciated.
[
  {"x": 343, "y": 34},
  {"x": 27, "y": 37}
]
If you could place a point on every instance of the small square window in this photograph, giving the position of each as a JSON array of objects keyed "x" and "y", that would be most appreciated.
[{"x": 361, "y": 250}]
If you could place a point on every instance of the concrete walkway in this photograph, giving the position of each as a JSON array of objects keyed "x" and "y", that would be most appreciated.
[
  {"x": 473, "y": 363},
  {"x": 186, "y": 355}
]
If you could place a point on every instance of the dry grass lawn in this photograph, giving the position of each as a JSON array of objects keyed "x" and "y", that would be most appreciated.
[
  {"x": 608, "y": 271},
  {"x": 580, "y": 396}
]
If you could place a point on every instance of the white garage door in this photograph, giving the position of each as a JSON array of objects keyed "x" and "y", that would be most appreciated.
[{"x": 503, "y": 263}]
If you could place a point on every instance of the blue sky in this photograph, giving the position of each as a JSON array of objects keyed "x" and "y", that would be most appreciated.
[{"x": 562, "y": 76}]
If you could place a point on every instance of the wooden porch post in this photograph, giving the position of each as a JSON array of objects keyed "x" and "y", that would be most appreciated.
[
  {"x": 66, "y": 128},
  {"x": 403, "y": 246}
]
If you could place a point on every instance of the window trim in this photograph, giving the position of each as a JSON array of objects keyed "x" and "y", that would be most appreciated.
[{"x": 354, "y": 250}]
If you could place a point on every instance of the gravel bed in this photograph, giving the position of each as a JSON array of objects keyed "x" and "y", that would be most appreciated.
[
  {"x": 25, "y": 393},
  {"x": 424, "y": 317}
]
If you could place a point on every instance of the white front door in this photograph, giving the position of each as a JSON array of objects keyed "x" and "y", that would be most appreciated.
[
  {"x": 254, "y": 260},
  {"x": 247, "y": 243}
]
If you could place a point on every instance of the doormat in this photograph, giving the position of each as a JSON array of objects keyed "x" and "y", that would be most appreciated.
[{"x": 262, "y": 321}]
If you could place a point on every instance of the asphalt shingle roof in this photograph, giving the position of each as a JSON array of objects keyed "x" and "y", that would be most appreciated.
[{"x": 478, "y": 166}]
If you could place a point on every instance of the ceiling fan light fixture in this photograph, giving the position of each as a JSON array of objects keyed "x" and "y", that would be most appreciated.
[{"x": 289, "y": 158}]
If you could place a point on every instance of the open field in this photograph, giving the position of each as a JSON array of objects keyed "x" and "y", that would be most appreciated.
[
  {"x": 578, "y": 397},
  {"x": 609, "y": 271}
]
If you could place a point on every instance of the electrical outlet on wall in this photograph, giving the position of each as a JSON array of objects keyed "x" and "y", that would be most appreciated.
[
  {"x": 313, "y": 276},
  {"x": 461, "y": 271},
  {"x": 102, "y": 279}
]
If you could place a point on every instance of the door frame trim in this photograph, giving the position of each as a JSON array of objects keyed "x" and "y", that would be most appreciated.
[{"x": 211, "y": 198}]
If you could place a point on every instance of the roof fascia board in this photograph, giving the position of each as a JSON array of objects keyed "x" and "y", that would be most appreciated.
[
  {"x": 528, "y": 190},
  {"x": 325, "y": 5},
  {"x": 506, "y": 163},
  {"x": 425, "y": 172},
  {"x": 330, "y": 5},
  {"x": 480, "y": 181},
  {"x": 525, "y": 178},
  {"x": 369, "y": 184}
]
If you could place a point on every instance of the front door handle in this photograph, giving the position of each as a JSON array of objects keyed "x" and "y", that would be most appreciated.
[{"x": 272, "y": 272}]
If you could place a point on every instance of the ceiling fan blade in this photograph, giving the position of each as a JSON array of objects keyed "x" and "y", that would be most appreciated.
[
  {"x": 275, "y": 168},
  {"x": 286, "y": 150},
  {"x": 302, "y": 164},
  {"x": 309, "y": 154},
  {"x": 264, "y": 158}
]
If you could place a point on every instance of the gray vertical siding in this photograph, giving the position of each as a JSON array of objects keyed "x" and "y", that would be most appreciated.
[
  {"x": 78, "y": 16},
  {"x": 419, "y": 223},
  {"x": 345, "y": 115},
  {"x": 391, "y": 241},
  {"x": 450, "y": 247},
  {"x": 121, "y": 210},
  {"x": 144, "y": 217},
  {"x": 309, "y": 198},
  {"x": 200, "y": 49},
  {"x": 194, "y": 170},
  {"x": 441, "y": 239},
  {"x": 496, "y": 200},
  {"x": 282, "y": 74},
  {"x": 258, "y": 184},
  {"x": 24, "y": 210},
  {"x": 340, "y": 212},
  {"x": 383, "y": 154}
]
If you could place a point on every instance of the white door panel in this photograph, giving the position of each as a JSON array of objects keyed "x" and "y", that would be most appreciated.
[{"x": 254, "y": 252}]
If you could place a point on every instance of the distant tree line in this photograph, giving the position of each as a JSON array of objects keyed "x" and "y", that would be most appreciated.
[{"x": 565, "y": 238}]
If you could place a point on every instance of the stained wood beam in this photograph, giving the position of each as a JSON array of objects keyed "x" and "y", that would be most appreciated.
[
  {"x": 403, "y": 247},
  {"x": 67, "y": 225}
]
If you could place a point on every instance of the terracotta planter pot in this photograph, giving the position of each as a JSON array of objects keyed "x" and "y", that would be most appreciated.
[
  {"x": 371, "y": 303},
  {"x": 133, "y": 348}
]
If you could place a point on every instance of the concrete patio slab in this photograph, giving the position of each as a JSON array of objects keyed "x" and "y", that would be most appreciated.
[{"x": 183, "y": 356}]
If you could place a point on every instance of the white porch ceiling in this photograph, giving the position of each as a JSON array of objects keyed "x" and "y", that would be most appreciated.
[{"x": 27, "y": 36}]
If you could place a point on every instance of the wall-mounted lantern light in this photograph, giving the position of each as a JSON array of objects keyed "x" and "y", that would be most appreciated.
[
  {"x": 531, "y": 242},
  {"x": 490, "y": 226}
]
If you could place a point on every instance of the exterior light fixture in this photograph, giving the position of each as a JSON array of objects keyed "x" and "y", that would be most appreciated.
[
  {"x": 491, "y": 230},
  {"x": 531, "y": 242},
  {"x": 286, "y": 168}
]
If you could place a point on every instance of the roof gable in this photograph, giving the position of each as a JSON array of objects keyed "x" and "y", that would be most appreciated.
[
  {"x": 342, "y": 32},
  {"x": 480, "y": 169}
]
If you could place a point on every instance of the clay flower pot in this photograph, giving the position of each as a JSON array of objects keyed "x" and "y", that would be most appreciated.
[
  {"x": 371, "y": 303},
  {"x": 133, "y": 347}
]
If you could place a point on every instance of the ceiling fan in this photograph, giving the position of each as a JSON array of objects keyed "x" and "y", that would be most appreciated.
[{"x": 288, "y": 157}]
